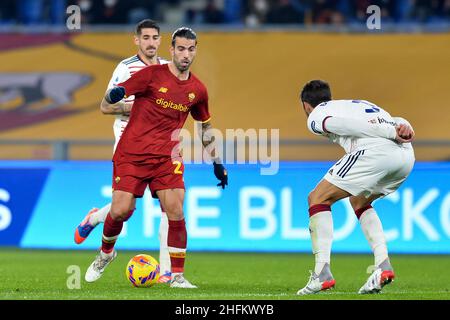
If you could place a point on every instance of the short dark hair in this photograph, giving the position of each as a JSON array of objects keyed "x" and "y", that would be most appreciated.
[
  {"x": 146, "y": 24},
  {"x": 315, "y": 92},
  {"x": 184, "y": 32}
]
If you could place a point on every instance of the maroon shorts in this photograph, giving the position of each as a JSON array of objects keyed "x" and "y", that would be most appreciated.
[{"x": 157, "y": 175}]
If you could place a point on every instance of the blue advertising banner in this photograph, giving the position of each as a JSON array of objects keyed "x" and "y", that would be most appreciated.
[
  {"x": 19, "y": 192},
  {"x": 41, "y": 203}
]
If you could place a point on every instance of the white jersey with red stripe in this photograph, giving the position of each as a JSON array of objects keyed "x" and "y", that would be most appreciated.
[
  {"x": 367, "y": 121},
  {"x": 124, "y": 70},
  {"x": 374, "y": 163}
]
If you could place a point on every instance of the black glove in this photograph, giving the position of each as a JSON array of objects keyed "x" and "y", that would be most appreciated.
[
  {"x": 221, "y": 173},
  {"x": 114, "y": 95}
]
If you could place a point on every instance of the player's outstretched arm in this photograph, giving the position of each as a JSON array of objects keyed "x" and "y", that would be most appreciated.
[
  {"x": 110, "y": 104},
  {"x": 208, "y": 143}
]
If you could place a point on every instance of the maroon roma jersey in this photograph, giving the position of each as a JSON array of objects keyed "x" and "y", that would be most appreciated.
[{"x": 161, "y": 106}]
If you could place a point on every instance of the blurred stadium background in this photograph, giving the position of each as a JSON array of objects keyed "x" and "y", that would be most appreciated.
[{"x": 254, "y": 56}]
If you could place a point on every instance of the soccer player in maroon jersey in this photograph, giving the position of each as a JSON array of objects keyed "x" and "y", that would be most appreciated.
[
  {"x": 148, "y": 39},
  {"x": 147, "y": 156}
]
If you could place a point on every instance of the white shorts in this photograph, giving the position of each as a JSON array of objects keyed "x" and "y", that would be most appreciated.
[
  {"x": 119, "y": 125},
  {"x": 374, "y": 171}
]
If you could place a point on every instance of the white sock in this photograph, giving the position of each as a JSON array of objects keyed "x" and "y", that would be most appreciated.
[
  {"x": 100, "y": 215},
  {"x": 164, "y": 257},
  {"x": 373, "y": 230},
  {"x": 321, "y": 230}
]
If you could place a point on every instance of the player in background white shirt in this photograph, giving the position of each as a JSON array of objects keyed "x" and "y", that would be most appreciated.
[
  {"x": 147, "y": 39},
  {"x": 379, "y": 157}
]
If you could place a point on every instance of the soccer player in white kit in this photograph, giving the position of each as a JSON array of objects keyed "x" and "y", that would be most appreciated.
[
  {"x": 147, "y": 39},
  {"x": 379, "y": 157}
]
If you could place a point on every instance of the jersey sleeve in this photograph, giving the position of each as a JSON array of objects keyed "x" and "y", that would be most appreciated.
[
  {"x": 200, "y": 111},
  {"x": 357, "y": 128},
  {"x": 120, "y": 74},
  {"x": 138, "y": 82},
  {"x": 399, "y": 121},
  {"x": 316, "y": 120}
]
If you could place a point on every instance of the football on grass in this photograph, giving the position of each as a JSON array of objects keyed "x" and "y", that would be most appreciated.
[{"x": 143, "y": 270}]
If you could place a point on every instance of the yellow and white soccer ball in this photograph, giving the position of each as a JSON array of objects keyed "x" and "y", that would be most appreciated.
[{"x": 143, "y": 270}]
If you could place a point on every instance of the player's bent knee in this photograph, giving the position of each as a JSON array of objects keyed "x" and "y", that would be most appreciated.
[
  {"x": 121, "y": 213},
  {"x": 175, "y": 214},
  {"x": 173, "y": 209},
  {"x": 315, "y": 198},
  {"x": 116, "y": 215}
]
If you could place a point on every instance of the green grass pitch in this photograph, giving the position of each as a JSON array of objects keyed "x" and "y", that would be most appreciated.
[{"x": 42, "y": 274}]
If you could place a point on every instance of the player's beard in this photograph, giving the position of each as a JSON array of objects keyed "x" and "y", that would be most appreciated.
[
  {"x": 182, "y": 67},
  {"x": 149, "y": 57}
]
